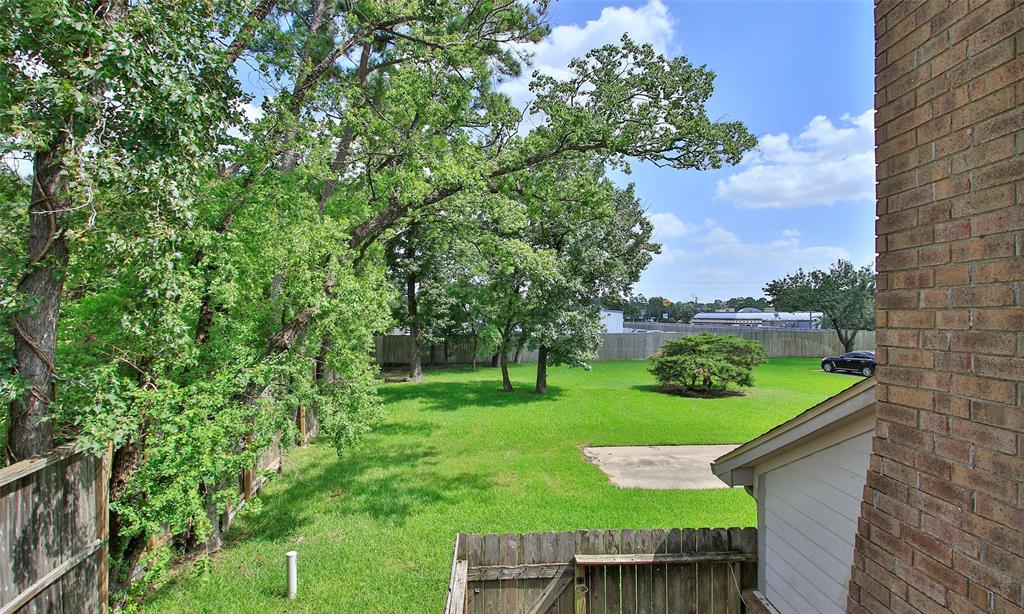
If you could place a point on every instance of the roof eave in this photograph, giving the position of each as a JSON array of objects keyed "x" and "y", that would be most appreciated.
[{"x": 736, "y": 467}]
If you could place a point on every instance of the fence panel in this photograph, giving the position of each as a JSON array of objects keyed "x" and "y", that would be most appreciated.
[
  {"x": 607, "y": 572},
  {"x": 53, "y": 542},
  {"x": 778, "y": 343}
]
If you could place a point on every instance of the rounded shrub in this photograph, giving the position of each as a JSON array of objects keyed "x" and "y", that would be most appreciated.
[{"x": 706, "y": 363}]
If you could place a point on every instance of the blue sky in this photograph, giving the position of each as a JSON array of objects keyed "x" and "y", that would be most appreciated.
[{"x": 800, "y": 73}]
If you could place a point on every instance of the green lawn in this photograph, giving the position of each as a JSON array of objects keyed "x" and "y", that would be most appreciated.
[{"x": 374, "y": 529}]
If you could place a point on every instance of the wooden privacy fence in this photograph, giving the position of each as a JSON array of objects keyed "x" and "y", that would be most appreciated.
[
  {"x": 657, "y": 571},
  {"x": 54, "y": 525},
  {"x": 53, "y": 533},
  {"x": 397, "y": 349}
]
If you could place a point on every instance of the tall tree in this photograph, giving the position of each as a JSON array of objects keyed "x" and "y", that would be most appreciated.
[
  {"x": 844, "y": 294},
  {"x": 103, "y": 95},
  {"x": 601, "y": 243}
]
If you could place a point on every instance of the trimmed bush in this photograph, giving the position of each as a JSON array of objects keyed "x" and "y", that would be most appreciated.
[{"x": 706, "y": 363}]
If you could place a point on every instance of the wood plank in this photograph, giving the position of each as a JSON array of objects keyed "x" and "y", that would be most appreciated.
[
  {"x": 553, "y": 590},
  {"x": 451, "y": 574},
  {"x": 456, "y": 603},
  {"x": 6, "y": 555},
  {"x": 628, "y": 573},
  {"x": 580, "y": 596},
  {"x": 748, "y": 544},
  {"x": 491, "y": 589},
  {"x": 513, "y": 573},
  {"x": 722, "y": 588},
  {"x": 79, "y": 501},
  {"x": 25, "y": 565},
  {"x": 659, "y": 573},
  {"x": 474, "y": 546},
  {"x": 510, "y": 587},
  {"x": 644, "y": 574},
  {"x": 103, "y": 474},
  {"x": 594, "y": 544},
  {"x": 613, "y": 573},
  {"x": 662, "y": 558},
  {"x": 460, "y": 547},
  {"x": 673, "y": 582},
  {"x": 549, "y": 554},
  {"x": 688, "y": 574},
  {"x": 27, "y": 467},
  {"x": 734, "y": 602},
  {"x": 530, "y": 553},
  {"x": 49, "y": 527},
  {"x": 564, "y": 550},
  {"x": 704, "y": 590}
]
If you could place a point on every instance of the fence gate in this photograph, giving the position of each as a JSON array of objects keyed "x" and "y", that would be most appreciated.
[{"x": 605, "y": 572}]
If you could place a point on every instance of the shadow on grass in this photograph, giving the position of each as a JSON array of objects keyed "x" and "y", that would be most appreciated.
[
  {"x": 453, "y": 396},
  {"x": 691, "y": 394},
  {"x": 391, "y": 477}
]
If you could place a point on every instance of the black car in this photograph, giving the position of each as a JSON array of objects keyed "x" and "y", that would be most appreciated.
[{"x": 857, "y": 362}]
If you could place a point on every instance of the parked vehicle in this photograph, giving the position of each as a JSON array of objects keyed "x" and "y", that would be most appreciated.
[{"x": 855, "y": 362}]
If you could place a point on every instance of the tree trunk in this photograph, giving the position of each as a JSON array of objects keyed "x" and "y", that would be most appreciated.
[
  {"x": 519, "y": 356},
  {"x": 125, "y": 552},
  {"x": 446, "y": 351},
  {"x": 255, "y": 16},
  {"x": 542, "y": 370},
  {"x": 475, "y": 341},
  {"x": 29, "y": 433},
  {"x": 494, "y": 360},
  {"x": 506, "y": 383},
  {"x": 846, "y": 339},
  {"x": 415, "y": 364},
  {"x": 320, "y": 366}
]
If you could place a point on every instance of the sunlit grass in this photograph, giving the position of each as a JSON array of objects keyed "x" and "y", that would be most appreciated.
[{"x": 374, "y": 528}]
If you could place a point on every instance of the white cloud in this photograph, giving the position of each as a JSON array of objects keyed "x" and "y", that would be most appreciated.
[
  {"x": 823, "y": 165},
  {"x": 669, "y": 226},
  {"x": 650, "y": 23},
  {"x": 712, "y": 261},
  {"x": 719, "y": 243}
]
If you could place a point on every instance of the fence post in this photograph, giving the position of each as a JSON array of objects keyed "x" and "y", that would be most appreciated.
[
  {"x": 247, "y": 484},
  {"x": 103, "y": 525}
]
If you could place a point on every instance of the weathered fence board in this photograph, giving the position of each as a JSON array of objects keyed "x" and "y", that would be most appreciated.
[
  {"x": 604, "y": 571},
  {"x": 53, "y": 533},
  {"x": 397, "y": 349}
]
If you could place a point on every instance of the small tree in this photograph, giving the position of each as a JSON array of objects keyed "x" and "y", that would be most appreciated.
[
  {"x": 707, "y": 362},
  {"x": 844, "y": 294}
]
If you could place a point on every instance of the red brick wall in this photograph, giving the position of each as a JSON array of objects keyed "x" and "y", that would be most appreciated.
[{"x": 942, "y": 523}]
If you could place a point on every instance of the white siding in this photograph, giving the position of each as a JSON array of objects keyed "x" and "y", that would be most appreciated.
[
  {"x": 612, "y": 320},
  {"x": 809, "y": 516}
]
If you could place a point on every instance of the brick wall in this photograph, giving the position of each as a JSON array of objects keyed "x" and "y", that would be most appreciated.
[{"x": 942, "y": 523}]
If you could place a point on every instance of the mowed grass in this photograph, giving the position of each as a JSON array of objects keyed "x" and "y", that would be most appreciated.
[{"x": 374, "y": 528}]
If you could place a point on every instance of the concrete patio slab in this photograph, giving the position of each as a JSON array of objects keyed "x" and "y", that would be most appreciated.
[{"x": 659, "y": 467}]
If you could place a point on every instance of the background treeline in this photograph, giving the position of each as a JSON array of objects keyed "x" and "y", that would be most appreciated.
[
  {"x": 640, "y": 307},
  {"x": 176, "y": 279}
]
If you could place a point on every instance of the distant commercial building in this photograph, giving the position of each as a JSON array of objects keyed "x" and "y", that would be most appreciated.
[
  {"x": 760, "y": 319},
  {"x": 612, "y": 320}
]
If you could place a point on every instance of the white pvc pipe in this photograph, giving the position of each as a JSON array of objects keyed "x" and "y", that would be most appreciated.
[{"x": 293, "y": 573}]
